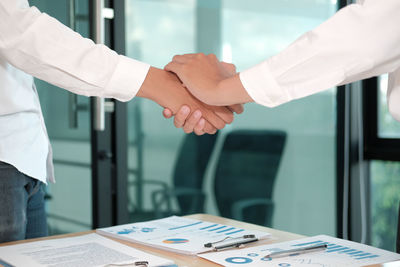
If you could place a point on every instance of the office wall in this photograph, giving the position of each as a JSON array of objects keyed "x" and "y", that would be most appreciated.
[
  {"x": 251, "y": 31},
  {"x": 69, "y": 209}
]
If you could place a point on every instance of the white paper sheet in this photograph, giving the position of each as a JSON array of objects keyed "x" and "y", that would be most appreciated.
[
  {"x": 90, "y": 250},
  {"x": 177, "y": 234},
  {"x": 340, "y": 253}
]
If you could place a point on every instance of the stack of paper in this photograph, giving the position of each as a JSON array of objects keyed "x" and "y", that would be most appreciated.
[
  {"x": 340, "y": 253},
  {"x": 177, "y": 234},
  {"x": 90, "y": 250}
]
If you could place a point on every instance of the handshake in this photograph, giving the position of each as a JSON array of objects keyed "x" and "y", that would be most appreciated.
[{"x": 199, "y": 90}]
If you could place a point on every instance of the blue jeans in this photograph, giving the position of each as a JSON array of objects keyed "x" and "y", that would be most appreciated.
[{"x": 22, "y": 208}]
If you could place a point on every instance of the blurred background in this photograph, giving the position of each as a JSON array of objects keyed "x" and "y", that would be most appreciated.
[{"x": 292, "y": 167}]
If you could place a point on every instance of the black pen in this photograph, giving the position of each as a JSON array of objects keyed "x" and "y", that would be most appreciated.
[{"x": 296, "y": 251}]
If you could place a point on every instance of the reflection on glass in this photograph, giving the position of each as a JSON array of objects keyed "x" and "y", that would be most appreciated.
[
  {"x": 156, "y": 30},
  {"x": 388, "y": 127},
  {"x": 69, "y": 208},
  {"x": 385, "y": 199},
  {"x": 258, "y": 29},
  {"x": 251, "y": 31}
]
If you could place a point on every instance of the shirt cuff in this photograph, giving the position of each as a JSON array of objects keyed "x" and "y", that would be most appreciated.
[
  {"x": 262, "y": 86},
  {"x": 127, "y": 79}
]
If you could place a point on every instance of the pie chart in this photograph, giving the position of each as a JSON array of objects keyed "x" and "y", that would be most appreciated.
[{"x": 175, "y": 241}]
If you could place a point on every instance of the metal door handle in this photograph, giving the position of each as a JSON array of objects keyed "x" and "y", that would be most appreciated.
[{"x": 101, "y": 106}]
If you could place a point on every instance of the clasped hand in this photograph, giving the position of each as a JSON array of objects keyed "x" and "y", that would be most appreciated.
[{"x": 203, "y": 110}]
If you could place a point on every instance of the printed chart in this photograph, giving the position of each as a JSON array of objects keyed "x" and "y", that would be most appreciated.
[
  {"x": 178, "y": 234},
  {"x": 338, "y": 253}
]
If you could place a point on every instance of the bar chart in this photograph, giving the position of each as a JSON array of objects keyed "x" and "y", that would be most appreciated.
[{"x": 339, "y": 252}]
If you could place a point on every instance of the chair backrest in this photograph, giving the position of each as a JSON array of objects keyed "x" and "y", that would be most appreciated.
[
  {"x": 190, "y": 167},
  {"x": 246, "y": 169}
]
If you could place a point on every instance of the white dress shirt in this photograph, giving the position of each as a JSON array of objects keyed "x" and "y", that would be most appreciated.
[
  {"x": 34, "y": 44},
  {"x": 360, "y": 41}
]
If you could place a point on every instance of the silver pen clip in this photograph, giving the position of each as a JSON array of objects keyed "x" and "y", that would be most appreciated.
[
  {"x": 296, "y": 251},
  {"x": 231, "y": 242},
  {"x": 136, "y": 264}
]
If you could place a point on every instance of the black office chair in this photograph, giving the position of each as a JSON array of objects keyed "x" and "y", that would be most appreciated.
[
  {"x": 245, "y": 174},
  {"x": 190, "y": 167}
]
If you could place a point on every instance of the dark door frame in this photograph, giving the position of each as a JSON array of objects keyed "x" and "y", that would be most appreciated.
[{"x": 109, "y": 147}]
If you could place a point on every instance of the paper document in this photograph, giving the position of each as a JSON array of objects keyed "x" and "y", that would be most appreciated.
[
  {"x": 339, "y": 253},
  {"x": 178, "y": 234},
  {"x": 82, "y": 251}
]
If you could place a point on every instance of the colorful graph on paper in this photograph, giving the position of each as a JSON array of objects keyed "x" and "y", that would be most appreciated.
[
  {"x": 338, "y": 253},
  {"x": 178, "y": 234}
]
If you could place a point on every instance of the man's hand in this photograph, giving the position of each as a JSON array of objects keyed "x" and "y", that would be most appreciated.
[
  {"x": 195, "y": 122},
  {"x": 208, "y": 79},
  {"x": 165, "y": 89}
]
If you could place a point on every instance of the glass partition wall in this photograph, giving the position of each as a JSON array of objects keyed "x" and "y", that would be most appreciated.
[
  {"x": 67, "y": 119},
  {"x": 245, "y": 33}
]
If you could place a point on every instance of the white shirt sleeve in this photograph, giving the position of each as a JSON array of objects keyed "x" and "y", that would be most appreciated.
[
  {"x": 45, "y": 48},
  {"x": 358, "y": 42}
]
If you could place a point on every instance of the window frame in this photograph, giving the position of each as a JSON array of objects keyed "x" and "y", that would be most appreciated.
[{"x": 376, "y": 147}]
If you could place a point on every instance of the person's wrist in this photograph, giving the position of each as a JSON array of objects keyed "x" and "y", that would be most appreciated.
[
  {"x": 222, "y": 93},
  {"x": 149, "y": 87},
  {"x": 231, "y": 91},
  {"x": 165, "y": 89}
]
